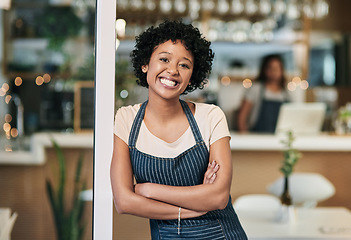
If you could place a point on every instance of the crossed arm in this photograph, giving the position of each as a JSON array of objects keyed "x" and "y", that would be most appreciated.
[{"x": 158, "y": 201}]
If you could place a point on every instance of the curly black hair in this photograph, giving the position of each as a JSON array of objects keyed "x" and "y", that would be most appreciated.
[{"x": 190, "y": 36}]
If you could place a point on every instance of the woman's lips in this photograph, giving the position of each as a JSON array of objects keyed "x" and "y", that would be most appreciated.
[{"x": 168, "y": 82}]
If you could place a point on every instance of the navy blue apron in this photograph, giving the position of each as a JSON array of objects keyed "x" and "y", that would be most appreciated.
[
  {"x": 187, "y": 169},
  {"x": 268, "y": 115}
]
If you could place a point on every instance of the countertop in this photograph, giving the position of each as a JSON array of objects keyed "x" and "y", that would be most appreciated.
[
  {"x": 265, "y": 142},
  {"x": 40, "y": 141},
  {"x": 239, "y": 142}
]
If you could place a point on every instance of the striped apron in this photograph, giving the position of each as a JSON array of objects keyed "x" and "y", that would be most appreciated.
[{"x": 187, "y": 169}]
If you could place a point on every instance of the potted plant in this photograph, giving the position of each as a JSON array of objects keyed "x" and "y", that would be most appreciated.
[
  {"x": 291, "y": 156},
  {"x": 68, "y": 221}
]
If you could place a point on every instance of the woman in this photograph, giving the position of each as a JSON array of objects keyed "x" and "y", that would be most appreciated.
[
  {"x": 260, "y": 107},
  {"x": 178, "y": 151}
]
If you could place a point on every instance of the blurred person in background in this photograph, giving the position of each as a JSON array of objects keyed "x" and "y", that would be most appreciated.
[{"x": 261, "y": 104}]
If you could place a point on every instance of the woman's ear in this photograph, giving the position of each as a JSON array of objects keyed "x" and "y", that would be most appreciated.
[{"x": 144, "y": 68}]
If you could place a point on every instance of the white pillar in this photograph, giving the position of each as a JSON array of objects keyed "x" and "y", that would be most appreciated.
[
  {"x": 104, "y": 114},
  {"x": 3, "y": 106}
]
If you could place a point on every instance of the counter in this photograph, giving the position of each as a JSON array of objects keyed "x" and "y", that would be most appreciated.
[
  {"x": 323, "y": 142},
  {"x": 38, "y": 143},
  {"x": 258, "y": 158},
  {"x": 239, "y": 142}
]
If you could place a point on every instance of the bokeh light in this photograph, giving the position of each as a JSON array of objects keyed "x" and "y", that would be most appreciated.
[
  {"x": 14, "y": 132},
  {"x": 5, "y": 87},
  {"x": 247, "y": 83},
  {"x": 39, "y": 80},
  {"x": 291, "y": 86},
  {"x": 8, "y": 118},
  {"x": 225, "y": 80},
  {"x": 296, "y": 80},
  {"x": 47, "y": 78},
  {"x": 7, "y": 127},
  {"x": 304, "y": 84},
  {"x": 2, "y": 92},
  {"x": 18, "y": 81},
  {"x": 8, "y": 98}
]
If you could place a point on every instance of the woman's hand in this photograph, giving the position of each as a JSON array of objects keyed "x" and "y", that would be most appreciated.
[{"x": 211, "y": 173}]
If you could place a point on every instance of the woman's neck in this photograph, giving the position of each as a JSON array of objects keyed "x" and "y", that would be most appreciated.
[{"x": 164, "y": 109}]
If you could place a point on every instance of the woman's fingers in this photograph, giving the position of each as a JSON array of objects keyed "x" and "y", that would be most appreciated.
[{"x": 210, "y": 174}]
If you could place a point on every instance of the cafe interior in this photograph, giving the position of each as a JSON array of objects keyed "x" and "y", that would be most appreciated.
[{"x": 47, "y": 74}]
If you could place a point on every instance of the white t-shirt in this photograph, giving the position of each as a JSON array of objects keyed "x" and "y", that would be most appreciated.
[
  {"x": 254, "y": 95},
  {"x": 209, "y": 118}
]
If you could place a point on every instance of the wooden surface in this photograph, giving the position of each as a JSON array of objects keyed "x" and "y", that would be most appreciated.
[{"x": 22, "y": 188}]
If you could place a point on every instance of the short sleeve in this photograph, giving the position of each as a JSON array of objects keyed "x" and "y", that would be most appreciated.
[
  {"x": 219, "y": 125},
  {"x": 120, "y": 127},
  {"x": 124, "y": 120}
]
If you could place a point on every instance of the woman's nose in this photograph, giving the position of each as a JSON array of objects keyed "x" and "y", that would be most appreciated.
[{"x": 173, "y": 69}]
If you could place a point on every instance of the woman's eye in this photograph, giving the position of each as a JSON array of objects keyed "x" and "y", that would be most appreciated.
[
  {"x": 185, "y": 66},
  {"x": 163, "y": 59}
]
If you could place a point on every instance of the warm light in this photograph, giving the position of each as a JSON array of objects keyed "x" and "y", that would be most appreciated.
[
  {"x": 14, "y": 132},
  {"x": 47, "y": 77},
  {"x": 39, "y": 80},
  {"x": 121, "y": 28},
  {"x": 296, "y": 80},
  {"x": 7, "y": 127},
  {"x": 225, "y": 80},
  {"x": 291, "y": 86},
  {"x": 5, "y": 87},
  {"x": 2, "y": 92},
  {"x": 18, "y": 81},
  {"x": 304, "y": 85},
  {"x": 8, "y": 99},
  {"x": 247, "y": 83},
  {"x": 8, "y": 118}
]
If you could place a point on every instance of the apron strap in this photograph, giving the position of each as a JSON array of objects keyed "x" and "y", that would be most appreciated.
[
  {"x": 134, "y": 132},
  {"x": 192, "y": 122}
]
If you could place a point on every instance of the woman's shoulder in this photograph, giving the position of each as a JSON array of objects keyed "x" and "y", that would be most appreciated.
[
  {"x": 253, "y": 93},
  {"x": 128, "y": 112},
  {"x": 207, "y": 110}
]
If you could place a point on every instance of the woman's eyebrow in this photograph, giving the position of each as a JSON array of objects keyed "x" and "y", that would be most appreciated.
[
  {"x": 188, "y": 60},
  {"x": 171, "y": 54}
]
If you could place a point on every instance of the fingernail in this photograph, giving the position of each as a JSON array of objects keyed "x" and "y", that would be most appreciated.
[
  {"x": 216, "y": 167},
  {"x": 213, "y": 163}
]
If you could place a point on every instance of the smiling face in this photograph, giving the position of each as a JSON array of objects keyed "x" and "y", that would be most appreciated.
[{"x": 169, "y": 70}]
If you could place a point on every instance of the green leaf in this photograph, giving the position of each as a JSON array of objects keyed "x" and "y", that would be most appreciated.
[
  {"x": 62, "y": 175},
  {"x": 67, "y": 221}
]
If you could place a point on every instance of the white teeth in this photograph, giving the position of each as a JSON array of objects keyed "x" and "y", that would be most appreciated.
[{"x": 167, "y": 82}]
